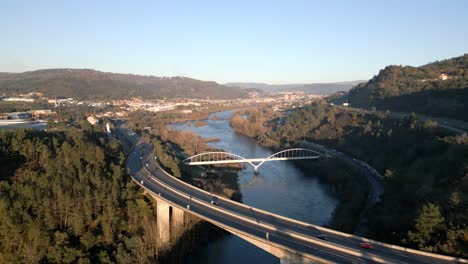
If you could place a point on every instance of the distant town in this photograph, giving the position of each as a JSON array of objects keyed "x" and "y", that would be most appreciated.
[{"x": 121, "y": 108}]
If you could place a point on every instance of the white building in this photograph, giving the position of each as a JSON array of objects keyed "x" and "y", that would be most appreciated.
[
  {"x": 92, "y": 120},
  {"x": 443, "y": 77},
  {"x": 18, "y": 99}
]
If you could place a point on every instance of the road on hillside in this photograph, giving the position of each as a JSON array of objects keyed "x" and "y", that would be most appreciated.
[{"x": 456, "y": 126}]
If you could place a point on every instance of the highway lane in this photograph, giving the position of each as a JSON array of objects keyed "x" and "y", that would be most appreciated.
[
  {"x": 281, "y": 223},
  {"x": 261, "y": 217},
  {"x": 209, "y": 213}
]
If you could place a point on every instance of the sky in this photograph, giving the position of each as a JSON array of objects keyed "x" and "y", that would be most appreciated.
[{"x": 274, "y": 42}]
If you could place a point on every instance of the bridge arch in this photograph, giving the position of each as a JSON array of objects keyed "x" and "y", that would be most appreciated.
[
  {"x": 293, "y": 154},
  {"x": 220, "y": 157},
  {"x": 215, "y": 156}
]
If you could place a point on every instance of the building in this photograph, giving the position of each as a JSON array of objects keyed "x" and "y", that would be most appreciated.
[
  {"x": 18, "y": 99},
  {"x": 42, "y": 112},
  {"x": 443, "y": 77},
  {"x": 92, "y": 120}
]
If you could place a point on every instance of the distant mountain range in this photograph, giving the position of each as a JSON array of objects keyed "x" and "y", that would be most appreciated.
[
  {"x": 439, "y": 89},
  {"x": 312, "y": 88},
  {"x": 92, "y": 84}
]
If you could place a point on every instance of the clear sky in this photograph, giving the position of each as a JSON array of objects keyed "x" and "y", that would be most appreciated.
[{"x": 228, "y": 41}]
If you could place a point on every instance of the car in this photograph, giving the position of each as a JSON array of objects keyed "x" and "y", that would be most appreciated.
[
  {"x": 141, "y": 157},
  {"x": 214, "y": 200},
  {"x": 142, "y": 182},
  {"x": 323, "y": 237},
  {"x": 366, "y": 245},
  {"x": 147, "y": 164}
]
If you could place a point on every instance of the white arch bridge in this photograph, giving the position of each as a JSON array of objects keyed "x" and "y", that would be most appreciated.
[{"x": 209, "y": 158}]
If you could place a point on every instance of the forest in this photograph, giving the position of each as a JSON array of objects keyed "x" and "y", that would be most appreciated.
[
  {"x": 91, "y": 84},
  {"x": 425, "y": 170},
  {"x": 66, "y": 197},
  {"x": 438, "y": 89}
]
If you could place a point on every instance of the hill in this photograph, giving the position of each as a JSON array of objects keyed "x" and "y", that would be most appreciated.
[
  {"x": 91, "y": 84},
  {"x": 439, "y": 89},
  {"x": 312, "y": 88}
]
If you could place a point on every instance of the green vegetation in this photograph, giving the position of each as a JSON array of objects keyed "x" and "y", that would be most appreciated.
[
  {"x": 66, "y": 197},
  {"x": 254, "y": 123},
  {"x": 437, "y": 89},
  {"x": 7, "y": 107},
  {"x": 429, "y": 227},
  {"x": 421, "y": 164},
  {"x": 166, "y": 157},
  {"x": 91, "y": 84}
]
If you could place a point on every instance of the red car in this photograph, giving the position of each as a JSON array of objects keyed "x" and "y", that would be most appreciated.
[{"x": 366, "y": 245}]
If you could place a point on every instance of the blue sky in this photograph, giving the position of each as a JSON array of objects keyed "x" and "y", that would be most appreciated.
[{"x": 228, "y": 41}]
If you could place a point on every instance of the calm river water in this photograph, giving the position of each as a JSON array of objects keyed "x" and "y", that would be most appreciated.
[{"x": 279, "y": 188}]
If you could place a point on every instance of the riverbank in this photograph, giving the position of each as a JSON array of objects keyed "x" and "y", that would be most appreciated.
[
  {"x": 348, "y": 182},
  {"x": 270, "y": 190}
]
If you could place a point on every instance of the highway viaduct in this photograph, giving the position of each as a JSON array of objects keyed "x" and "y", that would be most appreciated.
[{"x": 290, "y": 240}]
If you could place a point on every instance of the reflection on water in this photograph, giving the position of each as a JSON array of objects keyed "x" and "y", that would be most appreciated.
[{"x": 279, "y": 188}]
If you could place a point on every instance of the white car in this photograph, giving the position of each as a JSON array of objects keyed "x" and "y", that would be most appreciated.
[{"x": 214, "y": 200}]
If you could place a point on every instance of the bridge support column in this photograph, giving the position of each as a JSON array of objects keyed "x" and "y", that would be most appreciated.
[
  {"x": 177, "y": 221},
  {"x": 163, "y": 222}
]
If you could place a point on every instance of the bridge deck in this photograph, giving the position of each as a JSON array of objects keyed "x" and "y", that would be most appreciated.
[{"x": 246, "y": 160}]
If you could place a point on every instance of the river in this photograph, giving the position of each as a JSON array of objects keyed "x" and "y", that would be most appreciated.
[{"x": 279, "y": 188}]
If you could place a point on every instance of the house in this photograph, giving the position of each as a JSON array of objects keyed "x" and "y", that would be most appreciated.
[
  {"x": 92, "y": 120},
  {"x": 444, "y": 77},
  {"x": 42, "y": 112}
]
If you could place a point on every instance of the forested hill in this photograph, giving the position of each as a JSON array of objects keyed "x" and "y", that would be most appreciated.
[
  {"x": 439, "y": 89},
  {"x": 91, "y": 84}
]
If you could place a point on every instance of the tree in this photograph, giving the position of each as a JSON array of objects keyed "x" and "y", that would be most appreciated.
[{"x": 429, "y": 221}]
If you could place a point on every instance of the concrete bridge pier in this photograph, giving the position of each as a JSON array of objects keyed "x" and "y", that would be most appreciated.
[
  {"x": 177, "y": 221},
  {"x": 170, "y": 221},
  {"x": 163, "y": 221}
]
